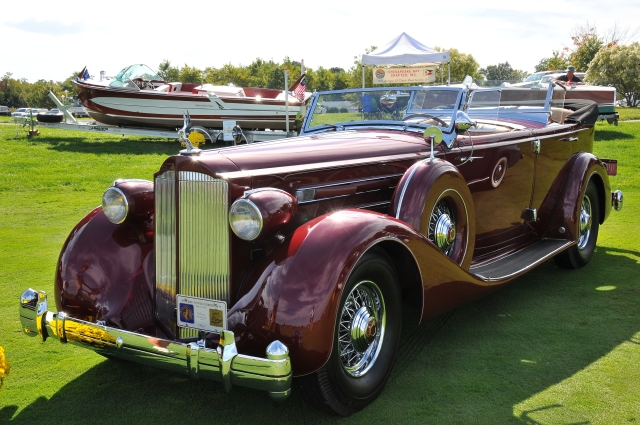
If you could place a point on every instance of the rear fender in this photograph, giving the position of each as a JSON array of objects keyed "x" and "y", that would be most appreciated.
[
  {"x": 105, "y": 273},
  {"x": 564, "y": 199}
]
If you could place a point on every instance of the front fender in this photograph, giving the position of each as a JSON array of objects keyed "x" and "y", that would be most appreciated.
[
  {"x": 295, "y": 294},
  {"x": 105, "y": 273}
]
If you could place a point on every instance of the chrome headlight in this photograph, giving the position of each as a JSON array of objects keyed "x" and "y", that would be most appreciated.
[
  {"x": 115, "y": 205},
  {"x": 245, "y": 219}
]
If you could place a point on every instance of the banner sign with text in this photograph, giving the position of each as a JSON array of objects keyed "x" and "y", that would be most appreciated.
[{"x": 403, "y": 75}]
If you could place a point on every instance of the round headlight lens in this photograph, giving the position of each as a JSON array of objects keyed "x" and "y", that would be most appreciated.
[
  {"x": 245, "y": 219},
  {"x": 115, "y": 205}
]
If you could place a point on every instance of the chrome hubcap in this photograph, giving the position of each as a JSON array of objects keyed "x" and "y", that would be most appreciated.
[
  {"x": 361, "y": 328},
  {"x": 442, "y": 228},
  {"x": 585, "y": 222}
]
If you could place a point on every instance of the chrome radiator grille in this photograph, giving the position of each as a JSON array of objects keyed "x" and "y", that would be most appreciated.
[{"x": 192, "y": 241}]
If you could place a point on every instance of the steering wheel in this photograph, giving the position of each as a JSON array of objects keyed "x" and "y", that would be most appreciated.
[{"x": 429, "y": 116}]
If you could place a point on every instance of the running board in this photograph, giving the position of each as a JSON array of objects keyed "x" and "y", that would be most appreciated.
[{"x": 520, "y": 261}]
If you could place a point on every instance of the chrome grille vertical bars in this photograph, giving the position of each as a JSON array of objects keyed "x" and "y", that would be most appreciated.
[
  {"x": 204, "y": 236},
  {"x": 200, "y": 264},
  {"x": 165, "y": 237}
]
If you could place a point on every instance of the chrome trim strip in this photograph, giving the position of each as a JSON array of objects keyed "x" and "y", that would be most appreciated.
[
  {"x": 388, "y": 176},
  {"x": 340, "y": 196},
  {"x": 223, "y": 364},
  {"x": 304, "y": 168},
  {"x": 405, "y": 187}
]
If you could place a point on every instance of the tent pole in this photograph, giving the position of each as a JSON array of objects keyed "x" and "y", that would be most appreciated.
[
  {"x": 449, "y": 70},
  {"x": 362, "y": 75}
]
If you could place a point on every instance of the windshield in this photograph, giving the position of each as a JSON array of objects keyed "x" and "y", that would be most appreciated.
[
  {"x": 415, "y": 106},
  {"x": 534, "y": 77},
  {"x": 125, "y": 78}
]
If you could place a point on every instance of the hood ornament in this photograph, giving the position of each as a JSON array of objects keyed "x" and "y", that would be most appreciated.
[{"x": 184, "y": 138}]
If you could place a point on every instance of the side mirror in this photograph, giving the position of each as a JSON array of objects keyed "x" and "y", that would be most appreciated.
[{"x": 463, "y": 122}]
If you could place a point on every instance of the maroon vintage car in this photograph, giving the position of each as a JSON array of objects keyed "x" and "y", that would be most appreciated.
[{"x": 289, "y": 262}]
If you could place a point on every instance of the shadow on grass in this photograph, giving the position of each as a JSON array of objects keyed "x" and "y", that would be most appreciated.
[
  {"x": 607, "y": 135},
  {"x": 111, "y": 146},
  {"x": 469, "y": 366}
]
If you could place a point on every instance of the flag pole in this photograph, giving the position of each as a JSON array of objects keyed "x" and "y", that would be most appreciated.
[
  {"x": 303, "y": 108},
  {"x": 286, "y": 98}
]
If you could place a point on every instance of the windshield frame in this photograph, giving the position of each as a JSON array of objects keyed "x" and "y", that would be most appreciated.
[{"x": 385, "y": 124}]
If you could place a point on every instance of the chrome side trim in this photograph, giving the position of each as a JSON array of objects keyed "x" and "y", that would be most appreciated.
[
  {"x": 404, "y": 188},
  {"x": 223, "y": 364}
]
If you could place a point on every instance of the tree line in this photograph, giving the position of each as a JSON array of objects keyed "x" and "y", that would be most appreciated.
[{"x": 605, "y": 58}]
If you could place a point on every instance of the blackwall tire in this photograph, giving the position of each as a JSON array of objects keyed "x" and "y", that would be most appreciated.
[
  {"x": 49, "y": 118},
  {"x": 361, "y": 359},
  {"x": 588, "y": 222},
  {"x": 449, "y": 208}
]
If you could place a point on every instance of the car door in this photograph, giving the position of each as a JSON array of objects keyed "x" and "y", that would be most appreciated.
[{"x": 497, "y": 163}]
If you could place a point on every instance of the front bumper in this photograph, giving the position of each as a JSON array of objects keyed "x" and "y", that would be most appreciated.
[{"x": 222, "y": 364}]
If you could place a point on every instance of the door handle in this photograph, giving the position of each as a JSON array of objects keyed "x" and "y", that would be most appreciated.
[{"x": 569, "y": 139}]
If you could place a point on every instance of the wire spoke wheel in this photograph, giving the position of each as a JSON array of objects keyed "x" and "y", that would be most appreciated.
[
  {"x": 585, "y": 223},
  {"x": 588, "y": 223},
  {"x": 442, "y": 227},
  {"x": 366, "y": 337},
  {"x": 361, "y": 328}
]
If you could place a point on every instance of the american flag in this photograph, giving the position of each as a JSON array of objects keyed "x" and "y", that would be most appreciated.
[{"x": 299, "y": 91}]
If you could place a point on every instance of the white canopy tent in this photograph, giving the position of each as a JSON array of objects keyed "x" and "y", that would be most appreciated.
[{"x": 404, "y": 50}]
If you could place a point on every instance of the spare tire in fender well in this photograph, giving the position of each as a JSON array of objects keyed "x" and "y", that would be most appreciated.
[{"x": 418, "y": 196}]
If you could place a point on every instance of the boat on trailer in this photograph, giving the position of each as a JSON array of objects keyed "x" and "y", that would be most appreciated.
[{"x": 138, "y": 96}]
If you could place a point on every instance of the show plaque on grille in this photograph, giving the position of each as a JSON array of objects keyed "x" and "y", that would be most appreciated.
[{"x": 202, "y": 314}]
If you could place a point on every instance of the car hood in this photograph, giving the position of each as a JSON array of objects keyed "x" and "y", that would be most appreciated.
[{"x": 330, "y": 147}]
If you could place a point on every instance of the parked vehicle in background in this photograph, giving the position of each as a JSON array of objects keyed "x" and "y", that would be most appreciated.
[
  {"x": 78, "y": 111},
  {"x": 533, "y": 79},
  {"x": 256, "y": 264},
  {"x": 4, "y": 110},
  {"x": 28, "y": 112}
]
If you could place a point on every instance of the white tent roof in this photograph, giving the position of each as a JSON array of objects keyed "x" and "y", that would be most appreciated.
[{"x": 405, "y": 50}]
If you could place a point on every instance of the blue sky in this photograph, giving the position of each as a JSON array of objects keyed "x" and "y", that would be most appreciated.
[{"x": 50, "y": 40}]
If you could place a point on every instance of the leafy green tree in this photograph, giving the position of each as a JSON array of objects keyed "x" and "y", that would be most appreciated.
[
  {"x": 503, "y": 72},
  {"x": 618, "y": 66},
  {"x": 587, "y": 45},
  {"x": 557, "y": 61},
  {"x": 189, "y": 74},
  {"x": 355, "y": 72},
  {"x": 10, "y": 92},
  {"x": 462, "y": 64},
  {"x": 323, "y": 79}
]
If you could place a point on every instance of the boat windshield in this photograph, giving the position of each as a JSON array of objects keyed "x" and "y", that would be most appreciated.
[
  {"x": 125, "y": 78},
  {"x": 407, "y": 106}
]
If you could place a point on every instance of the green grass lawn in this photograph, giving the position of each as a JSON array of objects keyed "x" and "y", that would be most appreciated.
[
  {"x": 554, "y": 347},
  {"x": 628, "y": 113}
]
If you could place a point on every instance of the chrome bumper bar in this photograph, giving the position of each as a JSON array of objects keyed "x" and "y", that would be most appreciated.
[{"x": 222, "y": 364}]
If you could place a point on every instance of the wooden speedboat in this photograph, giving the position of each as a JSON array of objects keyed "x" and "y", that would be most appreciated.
[{"x": 138, "y": 96}]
